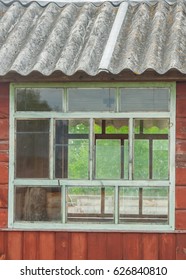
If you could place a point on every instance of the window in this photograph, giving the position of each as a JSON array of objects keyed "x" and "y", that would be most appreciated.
[{"x": 92, "y": 156}]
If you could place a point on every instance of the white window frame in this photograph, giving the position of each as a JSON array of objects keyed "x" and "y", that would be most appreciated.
[{"x": 66, "y": 182}]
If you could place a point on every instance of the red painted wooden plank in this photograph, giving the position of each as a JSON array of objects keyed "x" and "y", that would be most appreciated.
[
  {"x": 180, "y": 197},
  {"x": 167, "y": 246},
  {"x": 30, "y": 245},
  {"x": 2, "y": 245},
  {"x": 78, "y": 246},
  {"x": 4, "y": 156},
  {"x": 150, "y": 246},
  {"x": 180, "y": 176},
  {"x": 181, "y": 219},
  {"x": 181, "y": 246},
  {"x": 114, "y": 246},
  {"x": 4, "y": 173},
  {"x": 3, "y": 217},
  {"x": 14, "y": 245},
  {"x": 181, "y": 99},
  {"x": 4, "y": 129},
  {"x": 132, "y": 246},
  {"x": 4, "y": 146},
  {"x": 46, "y": 246},
  {"x": 62, "y": 245},
  {"x": 4, "y": 99},
  {"x": 97, "y": 244},
  {"x": 3, "y": 196},
  {"x": 181, "y": 128}
]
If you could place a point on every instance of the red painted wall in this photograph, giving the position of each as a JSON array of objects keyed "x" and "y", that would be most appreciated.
[{"x": 76, "y": 245}]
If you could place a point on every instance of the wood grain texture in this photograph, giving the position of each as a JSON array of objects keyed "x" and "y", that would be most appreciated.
[
  {"x": 4, "y": 173},
  {"x": 181, "y": 197},
  {"x": 2, "y": 245},
  {"x": 132, "y": 246},
  {"x": 150, "y": 246},
  {"x": 3, "y": 196},
  {"x": 181, "y": 246},
  {"x": 114, "y": 246},
  {"x": 181, "y": 219},
  {"x": 180, "y": 99},
  {"x": 180, "y": 176},
  {"x": 14, "y": 245},
  {"x": 46, "y": 245},
  {"x": 30, "y": 245},
  {"x": 62, "y": 245},
  {"x": 97, "y": 246},
  {"x": 167, "y": 245},
  {"x": 78, "y": 246},
  {"x": 180, "y": 128},
  {"x": 3, "y": 218}
]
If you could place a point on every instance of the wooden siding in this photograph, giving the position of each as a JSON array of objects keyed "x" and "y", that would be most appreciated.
[
  {"x": 16, "y": 245},
  {"x": 94, "y": 245}
]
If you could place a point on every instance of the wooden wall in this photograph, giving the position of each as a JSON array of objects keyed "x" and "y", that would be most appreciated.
[{"x": 83, "y": 245}]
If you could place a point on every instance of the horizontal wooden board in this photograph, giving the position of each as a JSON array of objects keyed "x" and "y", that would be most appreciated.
[
  {"x": 4, "y": 100},
  {"x": 180, "y": 128},
  {"x": 181, "y": 100},
  {"x": 3, "y": 196},
  {"x": 4, "y": 129},
  {"x": 3, "y": 218},
  {"x": 181, "y": 219},
  {"x": 4, "y": 173},
  {"x": 181, "y": 197},
  {"x": 180, "y": 176}
]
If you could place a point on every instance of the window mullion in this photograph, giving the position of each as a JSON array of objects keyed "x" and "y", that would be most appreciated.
[
  {"x": 64, "y": 204},
  {"x": 51, "y": 150},
  {"x": 116, "y": 205},
  {"x": 131, "y": 148},
  {"x": 91, "y": 150}
]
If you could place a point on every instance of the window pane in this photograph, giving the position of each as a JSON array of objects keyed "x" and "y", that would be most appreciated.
[
  {"x": 37, "y": 204},
  {"x": 160, "y": 159},
  {"x": 108, "y": 159},
  {"x": 90, "y": 204},
  {"x": 155, "y": 201},
  {"x": 145, "y": 205},
  {"x": 128, "y": 201},
  {"x": 72, "y": 149},
  {"x": 39, "y": 99},
  {"x": 144, "y": 99},
  {"x": 32, "y": 149},
  {"x": 84, "y": 100},
  {"x": 151, "y": 149},
  {"x": 141, "y": 159}
]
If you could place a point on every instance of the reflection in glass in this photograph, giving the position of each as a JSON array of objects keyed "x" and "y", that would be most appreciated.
[
  {"x": 89, "y": 99},
  {"x": 90, "y": 204},
  {"x": 72, "y": 149},
  {"x": 145, "y": 99},
  {"x": 39, "y": 99},
  {"x": 32, "y": 149},
  {"x": 108, "y": 159},
  {"x": 37, "y": 204}
]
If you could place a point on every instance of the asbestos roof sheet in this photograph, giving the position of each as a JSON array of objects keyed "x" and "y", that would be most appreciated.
[{"x": 89, "y": 37}]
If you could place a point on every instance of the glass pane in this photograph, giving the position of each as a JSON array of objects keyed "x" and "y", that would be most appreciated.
[
  {"x": 145, "y": 99},
  {"x": 128, "y": 202},
  {"x": 146, "y": 205},
  {"x": 84, "y": 100},
  {"x": 108, "y": 159},
  {"x": 155, "y": 201},
  {"x": 72, "y": 149},
  {"x": 160, "y": 159},
  {"x": 32, "y": 149},
  {"x": 117, "y": 126},
  {"x": 37, "y": 204},
  {"x": 39, "y": 99},
  {"x": 141, "y": 159},
  {"x": 152, "y": 126},
  {"x": 90, "y": 204}
]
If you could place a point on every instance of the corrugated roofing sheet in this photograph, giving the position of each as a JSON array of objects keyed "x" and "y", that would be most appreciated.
[{"x": 92, "y": 38}]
